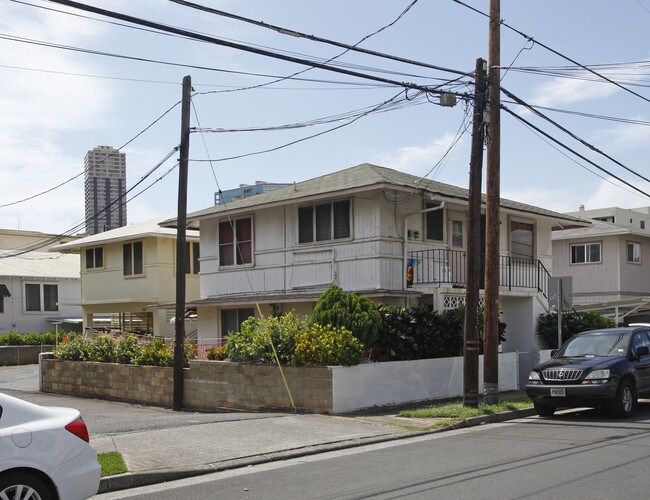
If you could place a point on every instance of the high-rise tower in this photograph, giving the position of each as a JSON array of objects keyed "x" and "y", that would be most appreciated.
[{"x": 105, "y": 185}]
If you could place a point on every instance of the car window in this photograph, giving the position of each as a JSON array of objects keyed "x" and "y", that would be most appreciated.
[
  {"x": 595, "y": 345},
  {"x": 640, "y": 339}
]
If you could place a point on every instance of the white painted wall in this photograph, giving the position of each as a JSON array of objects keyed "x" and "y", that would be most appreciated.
[{"x": 397, "y": 382}]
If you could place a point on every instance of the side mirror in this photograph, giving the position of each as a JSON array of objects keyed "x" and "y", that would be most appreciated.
[
  {"x": 553, "y": 352},
  {"x": 642, "y": 351}
]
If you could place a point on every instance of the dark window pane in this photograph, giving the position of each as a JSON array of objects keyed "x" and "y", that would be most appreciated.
[
  {"x": 594, "y": 253},
  {"x": 195, "y": 257},
  {"x": 305, "y": 225},
  {"x": 244, "y": 241},
  {"x": 99, "y": 257},
  {"x": 138, "y": 260},
  {"x": 127, "y": 259},
  {"x": 324, "y": 222},
  {"x": 435, "y": 223},
  {"x": 90, "y": 258},
  {"x": 577, "y": 254},
  {"x": 32, "y": 297},
  {"x": 50, "y": 297},
  {"x": 229, "y": 321},
  {"x": 342, "y": 219},
  {"x": 226, "y": 244}
]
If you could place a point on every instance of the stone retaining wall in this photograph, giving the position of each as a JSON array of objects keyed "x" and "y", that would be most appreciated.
[
  {"x": 22, "y": 354},
  {"x": 209, "y": 385}
]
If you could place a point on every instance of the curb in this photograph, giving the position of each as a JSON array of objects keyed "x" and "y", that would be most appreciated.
[{"x": 147, "y": 478}]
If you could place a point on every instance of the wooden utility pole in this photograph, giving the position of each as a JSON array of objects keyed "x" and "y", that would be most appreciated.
[
  {"x": 471, "y": 339},
  {"x": 491, "y": 322},
  {"x": 179, "y": 320}
]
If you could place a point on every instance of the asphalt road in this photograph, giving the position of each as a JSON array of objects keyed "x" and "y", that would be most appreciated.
[
  {"x": 107, "y": 418},
  {"x": 576, "y": 455}
]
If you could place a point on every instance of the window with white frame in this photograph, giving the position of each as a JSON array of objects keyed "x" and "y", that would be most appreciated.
[
  {"x": 324, "y": 222},
  {"x": 40, "y": 297},
  {"x": 457, "y": 233},
  {"x": 236, "y": 242},
  {"x": 133, "y": 259},
  {"x": 94, "y": 258},
  {"x": 634, "y": 252},
  {"x": 585, "y": 253}
]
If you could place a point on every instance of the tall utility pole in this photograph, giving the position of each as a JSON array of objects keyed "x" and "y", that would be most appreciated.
[
  {"x": 179, "y": 320},
  {"x": 471, "y": 342},
  {"x": 491, "y": 323}
]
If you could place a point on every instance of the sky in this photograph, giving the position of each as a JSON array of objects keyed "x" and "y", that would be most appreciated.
[{"x": 72, "y": 80}]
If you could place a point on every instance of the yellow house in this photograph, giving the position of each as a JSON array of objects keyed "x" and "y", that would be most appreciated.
[{"x": 128, "y": 278}]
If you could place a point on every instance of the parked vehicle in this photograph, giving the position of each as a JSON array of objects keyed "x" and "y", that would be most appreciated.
[
  {"x": 599, "y": 368},
  {"x": 45, "y": 453}
]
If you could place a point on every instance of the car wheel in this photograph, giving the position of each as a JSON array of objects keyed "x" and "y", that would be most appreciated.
[
  {"x": 24, "y": 487},
  {"x": 624, "y": 401},
  {"x": 544, "y": 411}
]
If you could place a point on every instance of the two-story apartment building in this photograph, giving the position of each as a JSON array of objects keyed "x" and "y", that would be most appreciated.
[
  {"x": 367, "y": 229},
  {"x": 37, "y": 289},
  {"x": 609, "y": 262},
  {"x": 128, "y": 278}
]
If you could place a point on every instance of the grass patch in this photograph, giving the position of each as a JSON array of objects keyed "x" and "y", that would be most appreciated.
[
  {"x": 456, "y": 411},
  {"x": 112, "y": 463}
]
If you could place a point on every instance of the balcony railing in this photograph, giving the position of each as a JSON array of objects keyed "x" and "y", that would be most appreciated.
[{"x": 449, "y": 268}]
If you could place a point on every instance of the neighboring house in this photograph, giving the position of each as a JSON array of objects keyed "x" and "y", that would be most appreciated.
[
  {"x": 128, "y": 278},
  {"x": 38, "y": 290},
  {"x": 244, "y": 191},
  {"x": 609, "y": 262},
  {"x": 364, "y": 228}
]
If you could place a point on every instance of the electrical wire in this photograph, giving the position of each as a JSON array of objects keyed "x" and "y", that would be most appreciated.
[
  {"x": 102, "y": 161},
  {"x": 302, "y": 139},
  {"x": 293, "y": 75},
  {"x": 573, "y": 151},
  {"x": 247, "y": 48},
  {"x": 82, "y": 223},
  {"x": 572, "y": 61}
]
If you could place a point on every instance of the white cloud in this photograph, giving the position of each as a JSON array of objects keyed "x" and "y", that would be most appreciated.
[
  {"x": 567, "y": 197},
  {"x": 560, "y": 91},
  {"x": 414, "y": 159}
]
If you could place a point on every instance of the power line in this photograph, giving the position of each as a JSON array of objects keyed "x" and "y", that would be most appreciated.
[
  {"x": 330, "y": 59},
  {"x": 531, "y": 39},
  {"x": 297, "y": 34},
  {"x": 561, "y": 144},
  {"x": 571, "y": 134},
  {"x": 248, "y": 48},
  {"x": 82, "y": 223},
  {"x": 102, "y": 161}
]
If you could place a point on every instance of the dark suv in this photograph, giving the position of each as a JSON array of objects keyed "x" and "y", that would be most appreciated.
[{"x": 600, "y": 368}]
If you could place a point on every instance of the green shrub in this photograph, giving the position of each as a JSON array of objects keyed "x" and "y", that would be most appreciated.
[
  {"x": 326, "y": 345},
  {"x": 11, "y": 338},
  {"x": 104, "y": 349},
  {"x": 217, "y": 352},
  {"x": 251, "y": 343},
  {"x": 571, "y": 324},
  {"x": 33, "y": 338},
  {"x": 421, "y": 333},
  {"x": 155, "y": 353},
  {"x": 356, "y": 314},
  {"x": 75, "y": 349},
  {"x": 127, "y": 350}
]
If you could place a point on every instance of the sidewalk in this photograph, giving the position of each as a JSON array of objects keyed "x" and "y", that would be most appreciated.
[{"x": 164, "y": 455}]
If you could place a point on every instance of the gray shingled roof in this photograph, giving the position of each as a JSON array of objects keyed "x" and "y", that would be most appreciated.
[{"x": 363, "y": 177}]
